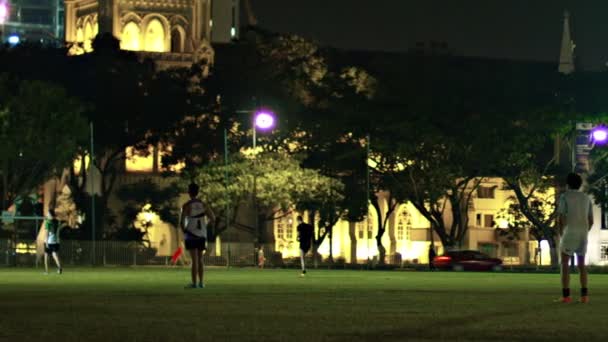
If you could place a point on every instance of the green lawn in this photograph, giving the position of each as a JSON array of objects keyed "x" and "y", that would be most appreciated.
[{"x": 143, "y": 304}]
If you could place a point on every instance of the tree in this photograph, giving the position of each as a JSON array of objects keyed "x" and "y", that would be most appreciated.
[
  {"x": 274, "y": 183},
  {"x": 146, "y": 196},
  {"x": 41, "y": 128},
  {"x": 541, "y": 205},
  {"x": 341, "y": 159},
  {"x": 128, "y": 101}
]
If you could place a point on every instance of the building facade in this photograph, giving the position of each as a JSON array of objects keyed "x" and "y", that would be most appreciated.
[{"x": 172, "y": 32}]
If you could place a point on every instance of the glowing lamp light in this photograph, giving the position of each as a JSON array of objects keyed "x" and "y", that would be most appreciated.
[
  {"x": 264, "y": 120},
  {"x": 600, "y": 135},
  {"x": 14, "y": 40}
]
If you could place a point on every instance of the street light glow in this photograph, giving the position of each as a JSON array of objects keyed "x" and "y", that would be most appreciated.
[
  {"x": 14, "y": 39},
  {"x": 3, "y": 12},
  {"x": 264, "y": 119},
  {"x": 600, "y": 135}
]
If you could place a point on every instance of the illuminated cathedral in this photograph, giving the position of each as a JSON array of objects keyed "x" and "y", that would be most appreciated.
[{"x": 173, "y": 32}]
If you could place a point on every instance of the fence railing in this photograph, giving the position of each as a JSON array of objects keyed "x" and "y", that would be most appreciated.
[
  {"x": 126, "y": 253},
  {"x": 80, "y": 253}
]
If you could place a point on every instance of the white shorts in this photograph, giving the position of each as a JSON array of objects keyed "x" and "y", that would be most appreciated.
[{"x": 571, "y": 246}]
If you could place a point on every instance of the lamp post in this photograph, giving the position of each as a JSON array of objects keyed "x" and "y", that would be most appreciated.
[
  {"x": 263, "y": 119},
  {"x": 92, "y": 180}
]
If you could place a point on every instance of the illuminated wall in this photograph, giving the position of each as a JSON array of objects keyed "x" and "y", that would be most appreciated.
[{"x": 139, "y": 163}]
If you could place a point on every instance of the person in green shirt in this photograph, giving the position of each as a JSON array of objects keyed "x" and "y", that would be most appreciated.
[{"x": 51, "y": 245}]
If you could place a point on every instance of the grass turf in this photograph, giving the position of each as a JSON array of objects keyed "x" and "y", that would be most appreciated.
[{"x": 144, "y": 304}]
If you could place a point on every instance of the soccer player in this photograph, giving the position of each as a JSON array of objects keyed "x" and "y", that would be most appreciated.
[
  {"x": 193, "y": 220},
  {"x": 574, "y": 222},
  {"x": 305, "y": 235},
  {"x": 51, "y": 245}
]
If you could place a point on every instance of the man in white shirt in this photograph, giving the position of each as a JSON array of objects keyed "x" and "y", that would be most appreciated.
[{"x": 575, "y": 218}]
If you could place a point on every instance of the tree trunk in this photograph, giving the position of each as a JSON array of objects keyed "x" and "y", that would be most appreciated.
[
  {"x": 381, "y": 249},
  {"x": 352, "y": 234},
  {"x": 554, "y": 253},
  {"x": 331, "y": 247}
]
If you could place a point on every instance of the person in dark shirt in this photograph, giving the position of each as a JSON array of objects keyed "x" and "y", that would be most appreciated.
[
  {"x": 305, "y": 235},
  {"x": 432, "y": 255}
]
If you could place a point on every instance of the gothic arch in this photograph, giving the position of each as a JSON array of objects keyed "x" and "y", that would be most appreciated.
[
  {"x": 366, "y": 228},
  {"x": 156, "y": 33},
  {"x": 404, "y": 224},
  {"x": 178, "y": 39},
  {"x": 88, "y": 35},
  {"x": 179, "y": 20},
  {"x": 130, "y": 37},
  {"x": 130, "y": 17}
]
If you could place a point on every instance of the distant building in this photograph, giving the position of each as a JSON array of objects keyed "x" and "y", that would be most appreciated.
[
  {"x": 39, "y": 21},
  {"x": 174, "y": 33}
]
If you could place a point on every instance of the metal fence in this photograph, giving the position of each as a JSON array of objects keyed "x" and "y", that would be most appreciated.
[{"x": 124, "y": 253}]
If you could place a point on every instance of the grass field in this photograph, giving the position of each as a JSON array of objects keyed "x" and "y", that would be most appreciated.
[{"x": 144, "y": 304}]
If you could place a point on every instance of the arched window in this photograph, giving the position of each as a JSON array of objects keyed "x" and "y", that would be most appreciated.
[
  {"x": 79, "y": 35},
  {"x": 280, "y": 230},
  {"x": 130, "y": 37},
  {"x": 95, "y": 29},
  {"x": 404, "y": 224},
  {"x": 88, "y": 37},
  {"x": 155, "y": 36},
  {"x": 367, "y": 225},
  {"x": 284, "y": 228},
  {"x": 177, "y": 42}
]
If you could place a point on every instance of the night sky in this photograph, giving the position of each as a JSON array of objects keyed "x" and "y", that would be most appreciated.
[{"x": 514, "y": 29}]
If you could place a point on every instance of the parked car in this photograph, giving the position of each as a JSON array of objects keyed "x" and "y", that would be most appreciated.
[{"x": 467, "y": 260}]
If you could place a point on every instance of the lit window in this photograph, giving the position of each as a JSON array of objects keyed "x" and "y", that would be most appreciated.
[
  {"x": 155, "y": 36},
  {"x": 604, "y": 251},
  {"x": 88, "y": 37},
  {"x": 280, "y": 229},
  {"x": 366, "y": 225},
  {"x": 403, "y": 226},
  {"x": 289, "y": 229},
  {"x": 130, "y": 37}
]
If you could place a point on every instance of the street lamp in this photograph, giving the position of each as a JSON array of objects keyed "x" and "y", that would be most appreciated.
[
  {"x": 263, "y": 119},
  {"x": 600, "y": 135}
]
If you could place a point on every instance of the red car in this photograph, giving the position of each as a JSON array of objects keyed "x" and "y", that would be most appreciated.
[{"x": 467, "y": 260}]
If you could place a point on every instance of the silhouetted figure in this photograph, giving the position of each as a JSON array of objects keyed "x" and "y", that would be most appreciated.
[
  {"x": 305, "y": 234},
  {"x": 432, "y": 255}
]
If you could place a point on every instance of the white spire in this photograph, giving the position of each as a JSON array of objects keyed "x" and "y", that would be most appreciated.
[{"x": 566, "y": 56}]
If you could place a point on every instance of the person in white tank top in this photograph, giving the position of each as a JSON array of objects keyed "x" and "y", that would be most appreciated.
[{"x": 193, "y": 221}]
